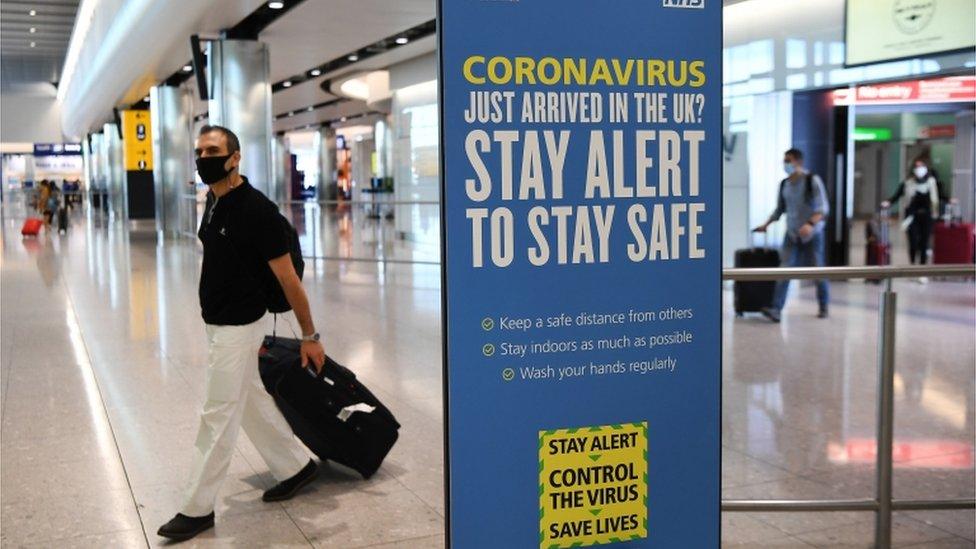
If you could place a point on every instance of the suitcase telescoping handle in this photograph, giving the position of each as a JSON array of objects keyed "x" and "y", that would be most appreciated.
[
  {"x": 953, "y": 213},
  {"x": 765, "y": 241},
  {"x": 310, "y": 370},
  {"x": 884, "y": 214}
]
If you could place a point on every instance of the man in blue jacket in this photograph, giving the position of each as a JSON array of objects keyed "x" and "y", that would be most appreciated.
[{"x": 804, "y": 201}]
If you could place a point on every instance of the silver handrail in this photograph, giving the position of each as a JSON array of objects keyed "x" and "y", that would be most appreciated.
[
  {"x": 350, "y": 202},
  {"x": 363, "y": 202},
  {"x": 814, "y": 505},
  {"x": 883, "y": 504},
  {"x": 847, "y": 273}
]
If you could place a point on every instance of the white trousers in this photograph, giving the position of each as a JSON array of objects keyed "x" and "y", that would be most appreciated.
[{"x": 236, "y": 398}]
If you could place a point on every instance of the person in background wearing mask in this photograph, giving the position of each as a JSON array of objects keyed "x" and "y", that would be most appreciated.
[
  {"x": 242, "y": 238},
  {"x": 921, "y": 191},
  {"x": 804, "y": 201}
]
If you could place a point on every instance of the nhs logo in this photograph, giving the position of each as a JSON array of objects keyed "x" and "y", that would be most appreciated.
[{"x": 697, "y": 4}]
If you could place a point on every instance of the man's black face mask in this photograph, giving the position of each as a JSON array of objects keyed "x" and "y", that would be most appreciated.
[{"x": 211, "y": 168}]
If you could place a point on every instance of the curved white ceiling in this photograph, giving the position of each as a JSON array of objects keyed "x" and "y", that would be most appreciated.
[
  {"x": 134, "y": 44},
  {"x": 316, "y": 31},
  {"x": 119, "y": 49}
]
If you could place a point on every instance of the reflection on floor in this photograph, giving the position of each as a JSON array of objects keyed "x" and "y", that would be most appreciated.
[{"x": 102, "y": 374}]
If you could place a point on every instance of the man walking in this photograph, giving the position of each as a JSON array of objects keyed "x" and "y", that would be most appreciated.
[
  {"x": 244, "y": 243},
  {"x": 804, "y": 201}
]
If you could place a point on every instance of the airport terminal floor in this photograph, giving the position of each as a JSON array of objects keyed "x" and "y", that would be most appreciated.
[{"x": 103, "y": 373}]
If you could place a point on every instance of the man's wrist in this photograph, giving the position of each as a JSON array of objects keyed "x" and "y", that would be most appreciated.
[{"x": 310, "y": 337}]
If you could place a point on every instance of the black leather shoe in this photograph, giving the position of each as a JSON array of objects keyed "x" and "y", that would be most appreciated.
[
  {"x": 287, "y": 488},
  {"x": 182, "y": 527},
  {"x": 823, "y": 313}
]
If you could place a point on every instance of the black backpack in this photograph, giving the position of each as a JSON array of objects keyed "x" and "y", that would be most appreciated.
[
  {"x": 807, "y": 191},
  {"x": 274, "y": 295}
]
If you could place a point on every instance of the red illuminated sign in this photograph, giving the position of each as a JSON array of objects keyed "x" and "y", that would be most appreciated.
[
  {"x": 937, "y": 132},
  {"x": 936, "y": 90}
]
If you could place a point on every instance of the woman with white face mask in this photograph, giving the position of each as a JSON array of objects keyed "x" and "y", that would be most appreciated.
[{"x": 921, "y": 193}]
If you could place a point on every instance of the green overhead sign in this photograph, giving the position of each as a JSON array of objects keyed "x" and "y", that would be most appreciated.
[{"x": 872, "y": 134}]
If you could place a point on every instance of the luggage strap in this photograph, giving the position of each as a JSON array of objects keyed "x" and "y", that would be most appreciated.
[{"x": 274, "y": 328}]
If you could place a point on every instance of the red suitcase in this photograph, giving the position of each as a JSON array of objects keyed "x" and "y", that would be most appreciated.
[
  {"x": 878, "y": 253},
  {"x": 954, "y": 243},
  {"x": 31, "y": 227}
]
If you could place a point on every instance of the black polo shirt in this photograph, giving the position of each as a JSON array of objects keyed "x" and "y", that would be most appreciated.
[{"x": 240, "y": 232}]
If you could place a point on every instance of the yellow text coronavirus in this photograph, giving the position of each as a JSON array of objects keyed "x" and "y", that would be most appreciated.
[{"x": 552, "y": 71}]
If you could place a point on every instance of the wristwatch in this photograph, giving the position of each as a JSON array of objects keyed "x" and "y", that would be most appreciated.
[{"x": 313, "y": 337}]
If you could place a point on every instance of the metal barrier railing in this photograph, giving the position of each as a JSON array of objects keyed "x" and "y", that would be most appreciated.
[
  {"x": 363, "y": 202},
  {"x": 383, "y": 260},
  {"x": 883, "y": 504}
]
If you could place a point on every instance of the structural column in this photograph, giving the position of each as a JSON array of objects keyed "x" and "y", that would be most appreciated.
[
  {"x": 96, "y": 171},
  {"x": 280, "y": 189},
  {"x": 240, "y": 100},
  {"x": 29, "y": 170},
  {"x": 383, "y": 140},
  {"x": 114, "y": 166},
  {"x": 326, "y": 188},
  {"x": 172, "y": 120},
  {"x": 964, "y": 166},
  {"x": 86, "y": 165}
]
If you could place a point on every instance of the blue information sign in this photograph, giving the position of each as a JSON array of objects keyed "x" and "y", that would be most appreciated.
[
  {"x": 582, "y": 202},
  {"x": 56, "y": 149}
]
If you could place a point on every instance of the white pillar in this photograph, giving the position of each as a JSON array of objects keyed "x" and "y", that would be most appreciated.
[
  {"x": 172, "y": 120},
  {"x": 240, "y": 100},
  {"x": 280, "y": 189},
  {"x": 114, "y": 164},
  {"x": 96, "y": 172},
  {"x": 327, "y": 160}
]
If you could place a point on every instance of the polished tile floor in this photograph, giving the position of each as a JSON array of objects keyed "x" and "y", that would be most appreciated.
[{"x": 102, "y": 369}]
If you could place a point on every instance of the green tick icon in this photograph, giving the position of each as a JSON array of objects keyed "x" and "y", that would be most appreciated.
[
  {"x": 487, "y": 324},
  {"x": 508, "y": 374},
  {"x": 488, "y": 349}
]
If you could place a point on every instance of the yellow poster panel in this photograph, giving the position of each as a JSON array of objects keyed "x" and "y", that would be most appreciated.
[
  {"x": 137, "y": 137},
  {"x": 592, "y": 485}
]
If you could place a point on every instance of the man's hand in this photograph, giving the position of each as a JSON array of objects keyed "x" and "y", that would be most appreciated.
[
  {"x": 760, "y": 229},
  {"x": 885, "y": 204},
  {"x": 805, "y": 230},
  {"x": 314, "y": 352}
]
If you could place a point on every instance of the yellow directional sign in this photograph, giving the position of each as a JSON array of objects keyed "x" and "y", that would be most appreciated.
[{"x": 137, "y": 135}]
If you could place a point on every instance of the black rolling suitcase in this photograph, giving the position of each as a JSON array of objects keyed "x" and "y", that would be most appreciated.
[
  {"x": 333, "y": 413},
  {"x": 63, "y": 220},
  {"x": 751, "y": 297}
]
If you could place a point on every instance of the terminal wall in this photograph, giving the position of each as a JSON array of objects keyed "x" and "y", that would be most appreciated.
[{"x": 29, "y": 119}]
